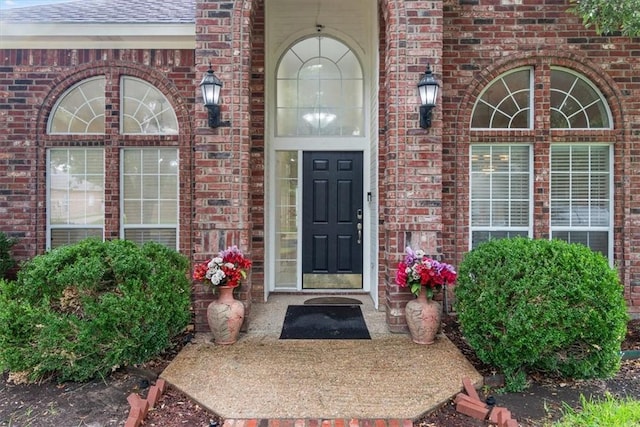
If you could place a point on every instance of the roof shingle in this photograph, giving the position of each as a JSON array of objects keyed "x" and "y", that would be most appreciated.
[{"x": 106, "y": 11}]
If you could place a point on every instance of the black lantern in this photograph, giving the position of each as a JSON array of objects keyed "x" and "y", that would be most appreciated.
[
  {"x": 428, "y": 90},
  {"x": 211, "y": 86}
]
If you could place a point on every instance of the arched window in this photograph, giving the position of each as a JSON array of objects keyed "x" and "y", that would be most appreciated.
[
  {"x": 506, "y": 102},
  {"x": 148, "y": 177},
  {"x": 145, "y": 110},
  {"x": 502, "y": 168},
  {"x": 576, "y": 103},
  {"x": 319, "y": 90},
  {"x": 80, "y": 110}
]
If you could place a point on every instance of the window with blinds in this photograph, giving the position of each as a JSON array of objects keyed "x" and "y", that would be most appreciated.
[
  {"x": 148, "y": 177},
  {"x": 149, "y": 193},
  {"x": 500, "y": 192},
  {"x": 581, "y": 195},
  {"x": 501, "y": 174},
  {"x": 75, "y": 195}
]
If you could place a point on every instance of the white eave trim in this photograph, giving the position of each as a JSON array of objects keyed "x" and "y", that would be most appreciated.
[{"x": 15, "y": 35}]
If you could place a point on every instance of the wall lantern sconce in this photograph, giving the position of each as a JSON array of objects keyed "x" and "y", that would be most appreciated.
[
  {"x": 211, "y": 86},
  {"x": 428, "y": 90}
]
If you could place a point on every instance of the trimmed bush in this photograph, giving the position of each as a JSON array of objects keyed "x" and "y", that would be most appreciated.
[
  {"x": 6, "y": 260},
  {"x": 539, "y": 305},
  {"x": 83, "y": 310}
]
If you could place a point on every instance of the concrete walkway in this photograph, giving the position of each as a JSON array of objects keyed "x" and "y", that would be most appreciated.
[{"x": 387, "y": 380}]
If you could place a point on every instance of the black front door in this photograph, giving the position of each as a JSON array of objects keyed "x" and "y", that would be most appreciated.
[{"x": 332, "y": 225}]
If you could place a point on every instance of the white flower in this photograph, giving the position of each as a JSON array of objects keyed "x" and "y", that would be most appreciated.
[{"x": 217, "y": 277}]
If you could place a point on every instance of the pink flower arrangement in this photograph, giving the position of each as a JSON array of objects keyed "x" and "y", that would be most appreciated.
[
  {"x": 226, "y": 269},
  {"x": 418, "y": 270}
]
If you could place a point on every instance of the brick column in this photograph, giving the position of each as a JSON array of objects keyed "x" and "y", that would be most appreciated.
[
  {"x": 412, "y": 181},
  {"x": 221, "y": 156}
]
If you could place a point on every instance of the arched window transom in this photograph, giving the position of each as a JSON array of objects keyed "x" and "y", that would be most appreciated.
[
  {"x": 145, "y": 110},
  {"x": 506, "y": 102},
  {"x": 80, "y": 110},
  {"x": 319, "y": 90},
  {"x": 576, "y": 103}
]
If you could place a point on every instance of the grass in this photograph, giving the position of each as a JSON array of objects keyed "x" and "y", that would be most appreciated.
[{"x": 608, "y": 411}]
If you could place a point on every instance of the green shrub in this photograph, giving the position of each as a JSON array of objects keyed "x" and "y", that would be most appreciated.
[
  {"x": 83, "y": 310},
  {"x": 6, "y": 260},
  {"x": 540, "y": 305}
]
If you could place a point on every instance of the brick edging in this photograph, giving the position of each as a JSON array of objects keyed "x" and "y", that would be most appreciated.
[
  {"x": 140, "y": 407},
  {"x": 471, "y": 405}
]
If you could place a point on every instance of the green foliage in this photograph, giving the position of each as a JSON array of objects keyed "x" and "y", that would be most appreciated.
[
  {"x": 603, "y": 412},
  {"x": 539, "y": 305},
  {"x": 609, "y": 16},
  {"x": 6, "y": 260},
  {"x": 83, "y": 310}
]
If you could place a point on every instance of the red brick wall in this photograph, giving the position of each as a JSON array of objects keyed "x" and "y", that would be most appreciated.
[
  {"x": 484, "y": 38},
  {"x": 411, "y": 183},
  {"x": 223, "y": 170}
]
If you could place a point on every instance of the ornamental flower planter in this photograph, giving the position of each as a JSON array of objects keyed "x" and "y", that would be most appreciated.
[
  {"x": 224, "y": 273},
  {"x": 423, "y": 318},
  {"x": 225, "y": 316},
  {"x": 425, "y": 277}
]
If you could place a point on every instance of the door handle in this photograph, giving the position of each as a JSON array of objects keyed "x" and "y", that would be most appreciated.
[{"x": 359, "y": 227}]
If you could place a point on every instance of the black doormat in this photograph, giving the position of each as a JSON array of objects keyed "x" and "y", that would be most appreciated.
[{"x": 324, "y": 322}]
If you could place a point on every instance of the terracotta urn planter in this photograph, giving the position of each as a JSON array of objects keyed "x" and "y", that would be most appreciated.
[
  {"x": 423, "y": 318},
  {"x": 225, "y": 316}
]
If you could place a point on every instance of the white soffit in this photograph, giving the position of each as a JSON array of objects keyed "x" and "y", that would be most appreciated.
[{"x": 40, "y": 35}]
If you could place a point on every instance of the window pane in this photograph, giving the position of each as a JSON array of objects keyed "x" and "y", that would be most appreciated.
[
  {"x": 576, "y": 103},
  {"x": 80, "y": 110},
  {"x": 145, "y": 109},
  {"x": 286, "y": 250},
  {"x": 75, "y": 194},
  {"x": 581, "y": 195},
  {"x": 505, "y": 102},
  {"x": 75, "y": 186},
  {"x": 500, "y": 191},
  {"x": 478, "y": 237},
  {"x": 165, "y": 237},
  {"x": 62, "y": 236},
  {"x": 320, "y": 90},
  {"x": 149, "y": 191},
  {"x": 596, "y": 240}
]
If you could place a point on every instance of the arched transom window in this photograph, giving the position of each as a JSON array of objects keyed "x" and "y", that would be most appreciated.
[
  {"x": 319, "y": 90},
  {"x": 502, "y": 164}
]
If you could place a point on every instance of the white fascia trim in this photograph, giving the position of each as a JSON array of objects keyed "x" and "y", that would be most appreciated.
[{"x": 98, "y": 36}]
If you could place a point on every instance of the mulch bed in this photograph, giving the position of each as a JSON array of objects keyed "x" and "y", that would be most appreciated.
[{"x": 54, "y": 405}]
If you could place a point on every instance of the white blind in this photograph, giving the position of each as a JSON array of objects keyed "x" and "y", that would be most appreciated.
[
  {"x": 581, "y": 195},
  {"x": 500, "y": 191}
]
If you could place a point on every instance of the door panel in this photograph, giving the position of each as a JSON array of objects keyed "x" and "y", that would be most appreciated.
[{"x": 332, "y": 220}]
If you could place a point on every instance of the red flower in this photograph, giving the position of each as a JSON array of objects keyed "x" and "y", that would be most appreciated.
[{"x": 227, "y": 269}]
